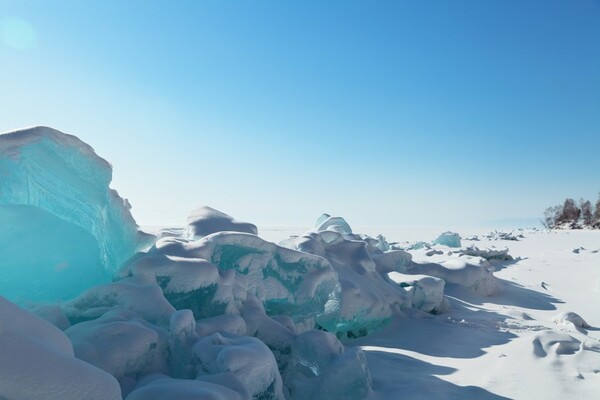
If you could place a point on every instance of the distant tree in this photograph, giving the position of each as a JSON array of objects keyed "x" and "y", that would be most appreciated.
[
  {"x": 597, "y": 214},
  {"x": 551, "y": 216},
  {"x": 570, "y": 213},
  {"x": 587, "y": 217}
]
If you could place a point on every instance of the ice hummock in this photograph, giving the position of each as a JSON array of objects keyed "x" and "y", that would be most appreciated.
[
  {"x": 64, "y": 229},
  {"x": 206, "y": 220},
  {"x": 450, "y": 239}
]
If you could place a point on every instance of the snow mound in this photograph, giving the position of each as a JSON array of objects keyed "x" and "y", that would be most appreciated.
[
  {"x": 475, "y": 273},
  {"x": 240, "y": 358},
  {"x": 557, "y": 343},
  {"x": 427, "y": 292},
  {"x": 162, "y": 387},
  {"x": 145, "y": 300},
  {"x": 69, "y": 230},
  {"x": 569, "y": 317},
  {"x": 121, "y": 343},
  {"x": 38, "y": 362},
  {"x": 205, "y": 220}
]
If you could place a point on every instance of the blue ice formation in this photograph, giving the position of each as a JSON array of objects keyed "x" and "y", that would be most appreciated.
[
  {"x": 63, "y": 228},
  {"x": 219, "y": 272},
  {"x": 368, "y": 298},
  {"x": 450, "y": 239}
]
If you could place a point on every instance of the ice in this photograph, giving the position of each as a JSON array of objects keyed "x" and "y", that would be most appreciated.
[
  {"x": 216, "y": 274},
  {"x": 145, "y": 300},
  {"x": 450, "y": 239},
  {"x": 320, "y": 368},
  {"x": 368, "y": 300},
  {"x": 427, "y": 292},
  {"x": 121, "y": 343},
  {"x": 489, "y": 254},
  {"x": 37, "y": 362},
  {"x": 205, "y": 220},
  {"x": 227, "y": 323},
  {"x": 337, "y": 224},
  {"x": 242, "y": 358},
  {"x": 68, "y": 229},
  {"x": 309, "y": 361}
]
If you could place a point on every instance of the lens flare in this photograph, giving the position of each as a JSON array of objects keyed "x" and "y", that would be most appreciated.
[{"x": 17, "y": 33}]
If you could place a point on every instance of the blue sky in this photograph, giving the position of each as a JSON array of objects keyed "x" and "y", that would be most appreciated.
[{"x": 388, "y": 112}]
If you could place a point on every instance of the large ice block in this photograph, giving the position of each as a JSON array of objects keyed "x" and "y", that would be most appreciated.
[{"x": 63, "y": 228}]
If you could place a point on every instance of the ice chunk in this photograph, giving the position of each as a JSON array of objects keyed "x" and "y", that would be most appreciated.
[
  {"x": 489, "y": 254},
  {"x": 427, "y": 292},
  {"x": 309, "y": 361},
  {"x": 337, "y": 224},
  {"x": 68, "y": 229},
  {"x": 233, "y": 324},
  {"x": 216, "y": 275},
  {"x": 205, "y": 220},
  {"x": 53, "y": 314},
  {"x": 367, "y": 300},
  {"x": 146, "y": 300},
  {"x": 450, "y": 239},
  {"x": 393, "y": 260},
  {"x": 121, "y": 343},
  {"x": 320, "y": 368},
  {"x": 187, "y": 282},
  {"x": 247, "y": 359},
  {"x": 500, "y": 235},
  {"x": 37, "y": 362}
]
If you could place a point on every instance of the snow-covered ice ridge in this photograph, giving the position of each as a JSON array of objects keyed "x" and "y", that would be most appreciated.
[{"x": 212, "y": 311}]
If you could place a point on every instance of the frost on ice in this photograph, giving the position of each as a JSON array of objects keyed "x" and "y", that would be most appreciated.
[{"x": 67, "y": 229}]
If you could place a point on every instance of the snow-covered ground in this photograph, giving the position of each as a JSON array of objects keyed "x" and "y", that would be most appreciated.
[{"x": 508, "y": 345}]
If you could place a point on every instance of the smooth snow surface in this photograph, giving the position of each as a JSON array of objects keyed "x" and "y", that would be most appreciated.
[{"x": 37, "y": 362}]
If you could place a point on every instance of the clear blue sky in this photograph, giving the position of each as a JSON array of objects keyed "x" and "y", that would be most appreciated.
[{"x": 386, "y": 112}]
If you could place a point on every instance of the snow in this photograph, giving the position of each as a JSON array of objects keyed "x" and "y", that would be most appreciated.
[
  {"x": 38, "y": 362},
  {"x": 206, "y": 220},
  {"x": 214, "y": 311},
  {"x": 506, "y": 345}
]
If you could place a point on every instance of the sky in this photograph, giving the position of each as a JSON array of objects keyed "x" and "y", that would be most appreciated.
[{"x": 388, "y": 113}]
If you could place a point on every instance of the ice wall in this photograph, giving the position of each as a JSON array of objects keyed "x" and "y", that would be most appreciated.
[{"x": 63, "y": 227}]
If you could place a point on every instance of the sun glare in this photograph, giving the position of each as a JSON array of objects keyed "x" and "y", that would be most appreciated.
[{"x": 17, "y": 33}]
